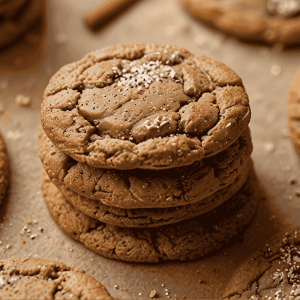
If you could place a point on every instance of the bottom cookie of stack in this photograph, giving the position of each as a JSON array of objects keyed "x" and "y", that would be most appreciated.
[{"x": 186, "y": 240}]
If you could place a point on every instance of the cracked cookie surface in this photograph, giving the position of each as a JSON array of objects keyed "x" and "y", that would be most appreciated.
[
  {"x": 147, "y": 188},
  {"x": 4, "y": 169},
  {"x": 293, "y": 111},
  {"x": 142, "y": 106},
  {"x": 185, "y": 240},
  {"x": 28, "y": 278},
  {"x": 266, "y": 21},
  {"x": 152, "y": 217},
  {"x": 12, "y": 27},
  {"x": 271, "y": 273}
]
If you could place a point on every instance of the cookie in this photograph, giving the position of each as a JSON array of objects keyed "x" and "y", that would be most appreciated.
[
  {"x": 151, "y": 217},
  {"x": 142, "y": 106},
  {"x": 186, "y": 240},
  {"x": 147, "y": 188},
  {"x": 4, "y": 169},
  {"x": 28, "y": 278},
  {"x": 13, "y": 28},
  {"x": 271, "y": 273},
  {"x": 293, "y": 111},
  {"x": 264, "y": 21},
  {"x": 10, "y": 7}
]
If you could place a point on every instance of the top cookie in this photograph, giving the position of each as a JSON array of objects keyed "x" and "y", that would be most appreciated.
[
  {"x": 144, "y": 106},
  {"x": 28, "y": 278},
  {"x": 267, "y": 21},
  {"x": 271, "y": 273}
]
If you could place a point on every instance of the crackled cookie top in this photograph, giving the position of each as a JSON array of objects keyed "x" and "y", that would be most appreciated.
[
  {"x": 147, "y": 188},
  {"x": 28, "y": 278},
  {"x": 4, "y": 169},
  {"x": 190, "y": 239},
  {"x": 271, "y": 273},
  {"x": 273, "y": 22},
  {"x": 144, "y": 106}
]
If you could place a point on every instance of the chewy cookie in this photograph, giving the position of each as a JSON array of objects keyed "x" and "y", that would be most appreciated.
[
  {"x": 293, "y": 111},
  {"x": 142, "y": 106},
  {"x": 147, "y": 188},
  {"x": 28, "y": 278},
  {"x": 151, "y": 217},
  {"x": 4, "y": 169},
  {"x": 267, "y": 21},
  {"x": 271, "y": 273},
  {"x": 182, "y": 241},
  {"x": 12, "y": 27}
]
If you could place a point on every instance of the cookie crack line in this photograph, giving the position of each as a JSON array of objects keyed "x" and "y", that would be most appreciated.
[{"x": 143, "y": 108}]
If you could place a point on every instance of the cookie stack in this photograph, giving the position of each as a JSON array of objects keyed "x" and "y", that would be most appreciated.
[
  {"x": 146, "y": 151},
  {"x": 16, "y": 17}
]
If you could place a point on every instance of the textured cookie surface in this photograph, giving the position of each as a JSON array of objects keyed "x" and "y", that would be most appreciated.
[
  {"x": 147, "y": 188},
  {"x": 182, "y": 241},
  {"x": 12, "y": 27},
  {"x": 144, "y": 106},
  {"x": 151, "y": 217},
  {"x": 293, "y": 111},
  {"x": 28, "y": 278},
  {"x": 271, "y": 273},
  {"x": 268, "y": 21},
  {"x": 4, "y": 169}
]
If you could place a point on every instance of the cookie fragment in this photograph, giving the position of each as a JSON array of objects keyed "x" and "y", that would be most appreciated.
[{"x": 28, "y": 278}]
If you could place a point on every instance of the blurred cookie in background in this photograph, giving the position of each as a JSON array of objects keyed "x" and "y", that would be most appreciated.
[
  {"x": 274, "y": 22},
  {"x": 293, "y": 111},
  {"x": 23, "y": 29},
  {"x": 4, "y": 169}
]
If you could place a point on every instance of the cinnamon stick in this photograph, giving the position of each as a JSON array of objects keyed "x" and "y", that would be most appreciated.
[{"x": 106, "y": 12}]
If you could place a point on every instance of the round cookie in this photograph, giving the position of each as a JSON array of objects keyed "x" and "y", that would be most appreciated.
[
  {"x": 13, "y": 28},
  {"x": 266, "y": 21},
  {"x": 28, "y": 278},
  {"x": 4, "y": 169},
  {"x": 147, "y": 188},
  {"x": 186, "y": 240},
  {"x": 293, "y": 111},
  {"x": 151, "y": 217},
  {"x": 142, "y": 106},
  {"x": 271, "y": 273}
]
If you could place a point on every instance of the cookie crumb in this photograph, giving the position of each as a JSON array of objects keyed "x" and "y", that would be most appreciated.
[
  {"x": 285, "y": 132},
  {"x": 153, "y": 294},
  {"x": 6, "y": 116},
  {"x": 60, "y": 38},
  {"x": 200, "y": 281},
  {"x": 200, "y": 40},
  {"x": 29, "y": 222},
  {"x": 3, "y": 84},
  {"x": 22, "y": 100},
  {"x": 21, "y": 240},
  {"x": 275, "y": 70},
  {"x": 269, "y": 147}
]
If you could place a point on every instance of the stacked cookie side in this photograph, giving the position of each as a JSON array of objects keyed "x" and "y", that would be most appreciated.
[{"x": 147, "y": 150}]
